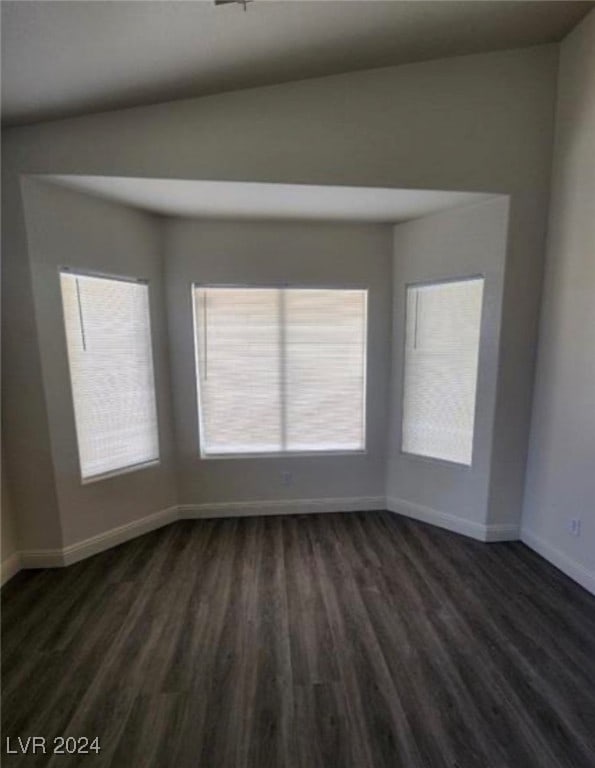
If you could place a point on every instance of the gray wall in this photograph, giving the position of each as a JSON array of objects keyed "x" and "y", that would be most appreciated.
[
  {"x": 9, "y": 536},
  {"x": 561, "y": 471},
  {"x": 474, "y": 123},
  {"x": 226, "y": 252},
  {"x": 459, "y": 243},
  {"x": 65, "y": 228}
]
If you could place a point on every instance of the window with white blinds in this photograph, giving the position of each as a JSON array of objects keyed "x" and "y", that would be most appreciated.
[
  {"x": 443, "y": 326},
  {"x": 280, "y": 369},
  {"x": 108, "y": 338}
]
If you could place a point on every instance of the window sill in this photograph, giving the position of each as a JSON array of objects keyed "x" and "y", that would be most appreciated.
[
  {"x": 118, "y": 472},
  {"x": 282, "y": 454},
  {"x": 434, "y": 460}
]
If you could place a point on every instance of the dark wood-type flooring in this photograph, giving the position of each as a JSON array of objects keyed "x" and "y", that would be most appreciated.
[{"x": 300, "y": 642}]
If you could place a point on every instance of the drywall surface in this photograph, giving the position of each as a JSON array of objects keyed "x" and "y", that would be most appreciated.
[
  {"x": 561, "y": 470},
  {"x": 474, "y": 123},
  {"x": 26, "y": 450},
  {"x": 462, "y": 243},
  {"x": 277, "y": 253},
  {"x": 65, "y": 228},
  {"x": 10, "y": 545}
]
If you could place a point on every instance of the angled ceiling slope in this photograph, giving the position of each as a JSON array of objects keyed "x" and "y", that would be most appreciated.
[
  {"x": 68, "y": 58},
  {"x": 254, "y": 200}
]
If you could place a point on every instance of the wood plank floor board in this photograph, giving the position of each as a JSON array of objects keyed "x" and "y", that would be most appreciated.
[
  {"x": 466, "y": 733},
  {"x": 389, "y": 730},
  {"x": 350, "y": 698},
  {"x": 418, "y": 677},
  {"x": 542, "y": 651},
  {"x": 312, "y": 654},
  {"x": 567, "y": 609},
  {"x": 469, "y": 641},
  {"x": 59, "y": 679},
  {"x": 469, "y": 658},
  {"x": 105, "y": 705},
  {"x": 151, "y": 731},
  {"x": 528, "y": 691},
  {"x": 36, "y": 625},
  {"x": 538, "y": 650},
  {"x": 356, "y": 640},
  {"x": 321, "y": 721},
  {"x": 274, "y": 705}
]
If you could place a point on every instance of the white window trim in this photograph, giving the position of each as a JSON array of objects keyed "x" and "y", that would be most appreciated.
[
  {"x": 197, "y": 285},
  {"x": 123, "y": 471},
  {"x": 131, "y": 467},
  {"x": 419, "y": 456}
]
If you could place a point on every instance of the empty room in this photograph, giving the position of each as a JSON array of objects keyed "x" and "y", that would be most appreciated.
[{"x": 298, "y": 384}]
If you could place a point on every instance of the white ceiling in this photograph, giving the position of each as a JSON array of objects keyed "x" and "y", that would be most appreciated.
[
  {"x": 226, "y": 199},
  {"x": 68, "y": 58}
]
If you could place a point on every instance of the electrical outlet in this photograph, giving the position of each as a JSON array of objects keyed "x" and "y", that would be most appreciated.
[
  {"x": 286, "y": 478},
  {"x": 575, "y": 527}
]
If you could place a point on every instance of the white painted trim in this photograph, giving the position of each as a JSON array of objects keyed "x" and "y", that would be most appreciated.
[
  {"x": 115, "y": 536},
  {"x": 436, "y": 517},
  {"x": 281, "y": 507},
  {"x": 479, "y": 531},
  {"x": 502, "y": 532},
  {"x": 10, "y": 567},
  {"x": 42, "y": 558},
  {"x": 54, "y": 558},
  {"x": 561, "y": 560}
]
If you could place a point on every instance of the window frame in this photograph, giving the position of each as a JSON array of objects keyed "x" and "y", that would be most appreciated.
[
  {"x": 420, "y": 284},
  {"x": 194, "y": 285},
  {"x": 129, "y": 468}
]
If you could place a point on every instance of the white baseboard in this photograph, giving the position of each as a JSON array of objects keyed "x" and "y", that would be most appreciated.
[
  {"x": 119, "y": 535},
  {"x": 56, "y": 558},
  {"x": 502, "y": 532},
  {"x": 280, "y": 507},
  {"x": 10, "y": 566},
  {"x": 479, "y": 531},
  {"x": 566, "y": 564},
  {"x": 42, "y": 558},
  {"x": 53, "y": 558}
]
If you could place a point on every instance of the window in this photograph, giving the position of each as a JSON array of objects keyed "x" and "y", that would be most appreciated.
[
  {"x": 280, "y": 369},
  {"x": 441, "y": 355},
  {"x": 108, "y": 338}
]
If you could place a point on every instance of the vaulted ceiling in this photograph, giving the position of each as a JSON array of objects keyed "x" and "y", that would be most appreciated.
[{"x": 68, "y": 58}]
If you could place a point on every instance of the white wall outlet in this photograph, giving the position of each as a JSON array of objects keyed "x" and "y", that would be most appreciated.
[
  {"x": 575, "y": 526},
  {"x": 286, "y": 478}
]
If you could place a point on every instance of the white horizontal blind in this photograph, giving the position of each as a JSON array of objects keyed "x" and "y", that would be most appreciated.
[
  {"x": 280, "y": 370},
  {"x": 325, "y": 342},
  {"x": 441, "y": 356},
  {"x": 111, "y": 369},
  {"x": 237, "y": 341}
]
